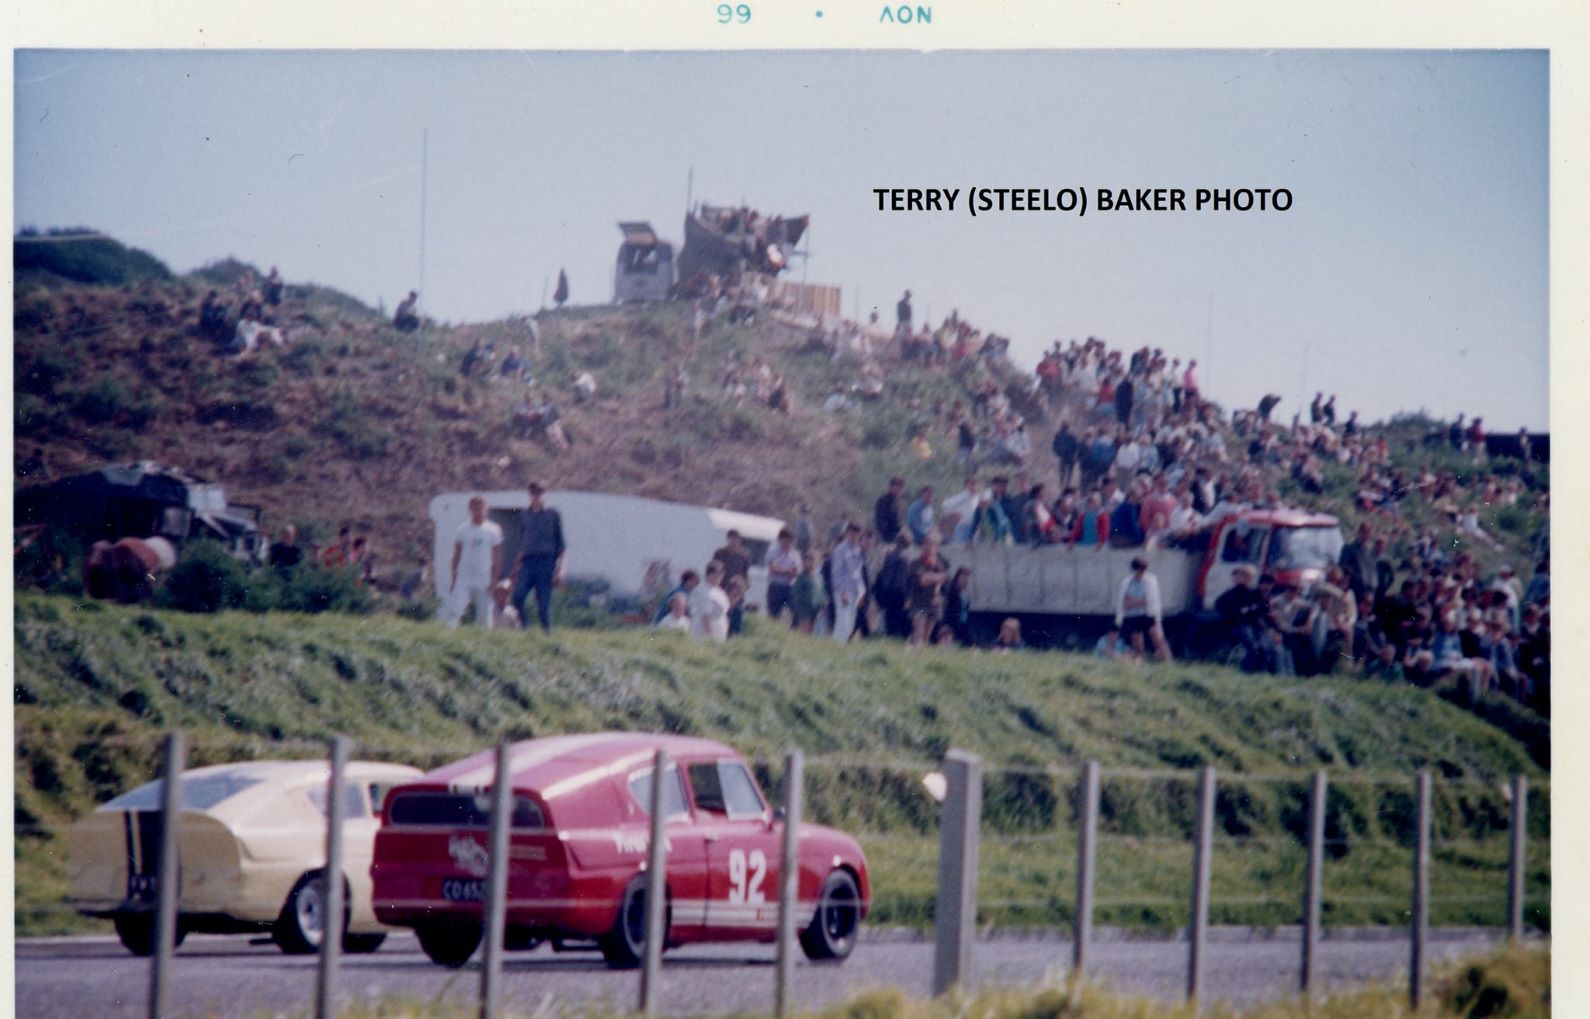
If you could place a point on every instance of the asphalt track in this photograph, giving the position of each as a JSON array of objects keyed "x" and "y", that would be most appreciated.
[{"x": 229, "y": 977}]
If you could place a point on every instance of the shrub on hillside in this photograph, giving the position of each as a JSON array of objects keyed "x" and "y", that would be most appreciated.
[
  {"x": 84, "y": 256},
  {"x": 108, "y": 399},
  {"x": 349, "y": 423},
  {"x": 206, "y": 579}
]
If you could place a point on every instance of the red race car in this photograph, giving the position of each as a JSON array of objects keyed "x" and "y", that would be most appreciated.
[{"x": 578, "y": 846}]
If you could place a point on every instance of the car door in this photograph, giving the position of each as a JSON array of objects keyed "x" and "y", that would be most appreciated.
[
  {"x": 742, "y": 849},
  {"x": 686, "y": 860}
]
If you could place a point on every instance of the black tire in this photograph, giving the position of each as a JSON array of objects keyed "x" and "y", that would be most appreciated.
[
  {"x": 137, "y": 933},
  {"x": 624, "y": 946},
  {"x": 831, "y": 935},
  {"x": 449, "y": 943},
  {"x": 362, "y": 944},
  {"x": 298, "y": 928}
]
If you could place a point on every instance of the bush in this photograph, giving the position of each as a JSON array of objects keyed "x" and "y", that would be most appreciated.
[
  {"x": 206, "y": 579},
  {"x": 107, "y": 400},
  {"x": 349, "y": 423},
  {"x": 91, "y": 259},
  {"x": 316, "y": 589}
]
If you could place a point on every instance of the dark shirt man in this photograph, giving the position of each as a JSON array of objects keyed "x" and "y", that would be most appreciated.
[
  {"x": 1065, "y": 450},
  {"x": 736, "y": 560},
  {"x": 541, "y": 553},
  {"x": 1358, "y": 560},
  {"x": 1126, "y": 524},
  {"x": 1123, "y": 402},
  {"x": 902, "y": 313},
  {"x": 889, "y": 589},
  {"x": 286, "y": 554},
  {"x": 886, "y": 513}
]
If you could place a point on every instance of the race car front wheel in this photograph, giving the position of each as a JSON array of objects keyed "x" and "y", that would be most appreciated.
[
  {"x": 449, "y": 943},
  {"x": 624, "y": 947},
  {"x": 832, "y": 933},
  {"x": 137, "y": 933}
]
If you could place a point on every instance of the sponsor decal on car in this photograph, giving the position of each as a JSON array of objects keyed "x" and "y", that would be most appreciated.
[{"x": 468, "y": 854}]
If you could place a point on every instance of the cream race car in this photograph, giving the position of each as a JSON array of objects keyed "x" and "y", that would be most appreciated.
[{"x": 251, "y": 854}]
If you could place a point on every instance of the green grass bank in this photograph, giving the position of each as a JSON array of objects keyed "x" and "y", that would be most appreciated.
[{"x": 96, "y": 685}]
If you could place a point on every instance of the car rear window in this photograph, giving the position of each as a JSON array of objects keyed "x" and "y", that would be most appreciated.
[
  {"x": 673, "y": 793},
  {"x": 460, "y": 810},
  {"x": 199, "y": 793}
]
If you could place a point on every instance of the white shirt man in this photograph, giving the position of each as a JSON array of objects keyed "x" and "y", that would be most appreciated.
[
  {"x": 963, "y": 506},
  {"x": 709, "y": 607},
  {"x": 477, "y": 559}
]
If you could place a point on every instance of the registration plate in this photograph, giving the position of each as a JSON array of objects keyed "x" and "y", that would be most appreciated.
[{"x": 464, "y": 889}]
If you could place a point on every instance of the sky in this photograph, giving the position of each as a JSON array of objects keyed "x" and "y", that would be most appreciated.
[{"x": 1410, "y": 272}]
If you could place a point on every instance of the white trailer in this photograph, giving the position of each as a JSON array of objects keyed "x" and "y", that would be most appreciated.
[{"x": 638, "y": 546}]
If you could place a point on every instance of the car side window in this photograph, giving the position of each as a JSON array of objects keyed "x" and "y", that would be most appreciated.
[
  {"x": 739, "y": 790},
  {"x": 704, "y": 782},
  {"x": 673, "y": 793},
  {"x": 352, "y": 799}
]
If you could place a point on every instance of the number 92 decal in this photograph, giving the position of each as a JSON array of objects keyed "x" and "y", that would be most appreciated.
[{"x": 746, "y": 875}]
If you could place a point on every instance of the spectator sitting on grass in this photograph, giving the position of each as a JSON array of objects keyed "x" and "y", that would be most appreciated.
[
  {"x": 1111, "y": 646},
  {"x": 675, "y": 615},
  {"x": 688, "y": 582},
  {"x": 405, "y": 320},
  {"x": 1009, "y": 638}
]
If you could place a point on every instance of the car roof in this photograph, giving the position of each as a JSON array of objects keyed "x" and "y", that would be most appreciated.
[
  {"x": 291, "y": 772},
  {"x": 557, "y": 765}
]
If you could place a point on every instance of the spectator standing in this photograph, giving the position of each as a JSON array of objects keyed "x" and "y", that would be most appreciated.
[
  {"x": 286, "y": 554},
  {"x": 539, "y": 567},
  {"x": 736, "y": 560},
  {"x": 848, "y": 577},
  {"x": 1358, "y": 561},
  {"x": 957, "y": 606},
  {"x": 890, "y": 592},
  {"x": 783, "y": 566},
  {"x": 709, "y": 607},
  {"x": 477, "y": 561},
  {"x": 805, "y": 530},
  {"x": 806, "y": 596},
  {"x": 1065, "y": 446},
  {"x": 902, "y": 315},
  {"x": 923, "y": 581},
  {"x": 886, "y": 512},
  {"x": 962, "y": 509},
  {"x": 920, "y": 516},
  {"x": 1137, "y": 610}
]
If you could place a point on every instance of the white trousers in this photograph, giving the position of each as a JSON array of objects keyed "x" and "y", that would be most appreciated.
[
  {"x": 462, "y": 596},
  {"x": 844, "y": 619}
]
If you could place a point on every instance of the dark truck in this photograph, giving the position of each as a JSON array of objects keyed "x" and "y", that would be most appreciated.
[{"x": 141, "y": 500}]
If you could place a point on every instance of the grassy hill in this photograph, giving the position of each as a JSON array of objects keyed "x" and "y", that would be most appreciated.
[
  {"x": 358, "y": 421},
  {"x": 95, "y": 685}
]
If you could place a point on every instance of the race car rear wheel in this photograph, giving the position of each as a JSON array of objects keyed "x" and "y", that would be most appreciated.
[
  {"x": 832, "y": 933},
  {"x": 624, "y": 947},
  {"x": 449, "y": 943},
  {"x": 298, "y": 928},
  {"x": 137, "y": 933}
]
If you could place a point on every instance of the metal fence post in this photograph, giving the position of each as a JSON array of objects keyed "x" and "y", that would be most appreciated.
[
  {"x": 331, "y": 894},
  {"x": 1421, "y": 889},
  {"x": 1312, "y": 883},
  {"x": 176, "y": 752},
  {"x": 789, "y": 881},
  {"x": 656, "y": 889},
  {"x": 1087, "y": 839},
  {"x": 955, "y": 915},
  {"x": 496, "y": 917},
  {"x": 1515, "y": 860},
  {"x": 1198, "y": 924}
]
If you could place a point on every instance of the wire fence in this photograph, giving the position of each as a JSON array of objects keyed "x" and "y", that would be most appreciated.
[{"x": 1062, "y": 846}]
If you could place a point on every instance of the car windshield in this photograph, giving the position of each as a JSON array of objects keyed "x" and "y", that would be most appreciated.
[
  {"x": 198, "y": 793},
  {"x": 1303, "y": 548}
]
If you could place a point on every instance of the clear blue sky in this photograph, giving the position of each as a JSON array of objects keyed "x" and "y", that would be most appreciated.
[{"x": 1411, "y": 271}]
